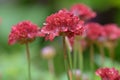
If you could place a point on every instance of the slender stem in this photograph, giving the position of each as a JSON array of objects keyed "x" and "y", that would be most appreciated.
[
  {"x": 75, "y": 54},
  {"x": 80, "y": 58},
  {"x": 69, "y": 49},
  {"x": 29, "y": 62},
  {"x": 111, "y": 47},
  {"x": 111, "y": 52},
  {"x": 102, "y": 54},
  {"x": 51, "y": 66},
  {"x": 92, "y": 61},
  {"x": 92, "y": 57},
  {"x": 70, "y": 59},
  {"x": 65, "y": 58}
]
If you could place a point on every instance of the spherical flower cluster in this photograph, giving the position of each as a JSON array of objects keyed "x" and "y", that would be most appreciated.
[
  {"x": 62, "y": 23},
  {"x": 83, "y": 11},
  {"x": 108, "y": 73},
  {"x": 23, "y": 32},
  {"x": 95, "y": 31},
  {"x": 112, "y": 31}
]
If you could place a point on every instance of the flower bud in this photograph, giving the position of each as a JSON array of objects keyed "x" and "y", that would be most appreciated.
[{"x": 48, "y": 52}]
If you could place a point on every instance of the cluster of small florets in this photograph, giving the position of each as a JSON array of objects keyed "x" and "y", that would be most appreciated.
[
  {"x": 108, "y": 74},
  {"x": 62, "y": 23},
  {"x": 83, "y": 11},
  {"x": 65, "y": 23},
  {"x": 96, "y": 31},
  {"x": 23, "y": 32}
]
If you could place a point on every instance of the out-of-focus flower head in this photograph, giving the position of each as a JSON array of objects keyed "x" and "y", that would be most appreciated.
[
  {"x": 23, "y": 32},
  {"x": 77, "y": 74},
  {"x": 95, "y": 31},
  {"x": 62, "y": 23},
  {"x": 112, "y": 31},
  {"x": 108, "y": 74},
  {"x": 48, "y": 52},
  {"x": 83, "y": 11}
]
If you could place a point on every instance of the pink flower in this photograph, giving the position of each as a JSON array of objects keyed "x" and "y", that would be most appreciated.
[
  {"x": 112, "y": 31},
  {"x": 23, "y": 32},
  {"x": 83, "y": 11},
  {"x": 95, "y": 31},
  {"x": 62, "y": 23},
  {"x": 108, "y": 73}
]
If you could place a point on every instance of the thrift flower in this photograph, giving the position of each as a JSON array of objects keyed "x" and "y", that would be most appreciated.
[
  {"x": 108, "y": 74},
  {"x": 23, "y": 32},
  {"x": 82, "y": 11},
  {"x": 48, "y": 52},
  {"x": 95, "y": 31},
  {"x": 62, "y": 23},
  {"x": 112, "y": 31}
]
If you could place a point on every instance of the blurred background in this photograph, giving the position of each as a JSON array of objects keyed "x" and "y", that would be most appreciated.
[{"x": 13, "y": 64}]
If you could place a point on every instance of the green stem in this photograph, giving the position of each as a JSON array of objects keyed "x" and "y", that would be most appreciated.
[
  {"x": 92, "y": 57},
  {"x": 51, "y": 66},
  {"x": 80, "y": 58},
  {"x": 111, "y": 52},
  {"x": 92, "y": 61},
  {"x": 69, "y": 52},
  {"x": 102, "y": 54},
  {"x": 75, "y": 54},
  {"x": 65, "y": 58},
  {"x": 29, "y": 62},
  {"x": 70, "y": 59}
]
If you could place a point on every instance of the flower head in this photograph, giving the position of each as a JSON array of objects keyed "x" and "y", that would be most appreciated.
[
  {"x": 23, "y": 32},
  {"x": 61, "y": 23},
  {"x": 108, "y": 73},
  {"x": 48, "y": 52},
  {"x": 95, "y": 31},
  {"x": 112, "y": 31},
  {"x": 83, "y": 11}
]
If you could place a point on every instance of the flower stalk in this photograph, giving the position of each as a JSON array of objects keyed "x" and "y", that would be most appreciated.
[
  {"x": 101, "y": 48},
  {"x": 80, "y": 58},
  {"x": 65, "y": 58},
  {"x": 51, "y": 66},
  {"x": 29, "y": 62}
]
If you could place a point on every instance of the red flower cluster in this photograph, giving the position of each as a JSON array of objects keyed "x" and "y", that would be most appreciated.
[
  {"x": 112, "y": 31},
  {"x": 95, "y": 31},
  {"x": 82, "y": 11},
  {"x": 62, "y": 23},
  {"x": 108, "y": 74},
  {"x": 23, "y": 32}
]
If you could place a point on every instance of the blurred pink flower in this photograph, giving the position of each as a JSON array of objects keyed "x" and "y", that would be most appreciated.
[
  {"x": 95, "y": 31},
  {"x": 108, "y": 74},
  {"x": 23, "y": 32},
  {"x": 112, "y": 31},
  {"x": 61, "y": 23},
  {"x": 82, "y": 11}
]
